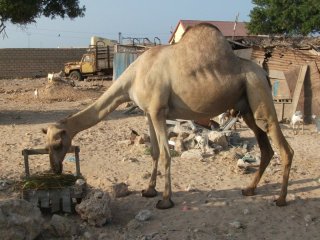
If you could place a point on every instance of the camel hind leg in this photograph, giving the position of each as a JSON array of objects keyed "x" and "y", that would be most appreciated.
[
  {"x": 286, "y": 155},
  {"x": 266, "y": 152},
  {"x": 265, "y": 117}
]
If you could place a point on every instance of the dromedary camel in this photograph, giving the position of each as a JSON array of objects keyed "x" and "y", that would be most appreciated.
[{"x": 198, "y": 77}]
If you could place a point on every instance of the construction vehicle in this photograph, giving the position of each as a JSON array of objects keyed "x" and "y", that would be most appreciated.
[{"x": 97, "y": 62}]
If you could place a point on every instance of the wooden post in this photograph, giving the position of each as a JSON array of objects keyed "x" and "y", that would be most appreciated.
[
  {"x": 76, "y": 153},
  {"x": 298, "y": 88},
  {"x": 26, "y": 163}
]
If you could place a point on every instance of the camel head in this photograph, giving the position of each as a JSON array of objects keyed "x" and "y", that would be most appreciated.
[{"x": 58, "y": 143}]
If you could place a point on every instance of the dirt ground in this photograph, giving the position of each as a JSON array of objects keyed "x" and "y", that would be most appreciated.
[{"x": 207, "y": 194}]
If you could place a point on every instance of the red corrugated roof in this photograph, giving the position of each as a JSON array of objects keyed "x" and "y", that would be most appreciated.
[{"x": 226, "y": 27}]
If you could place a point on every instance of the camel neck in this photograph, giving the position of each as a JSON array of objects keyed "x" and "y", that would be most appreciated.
[{"x": 98, "y": 110}]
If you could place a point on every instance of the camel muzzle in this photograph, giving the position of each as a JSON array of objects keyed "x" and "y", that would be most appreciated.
[{"x": 56, "y": 165}]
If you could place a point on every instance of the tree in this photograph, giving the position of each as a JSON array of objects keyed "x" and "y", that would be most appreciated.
[
  {"x": 289, "y": 17},
  {"x": 25, "y": 12}
]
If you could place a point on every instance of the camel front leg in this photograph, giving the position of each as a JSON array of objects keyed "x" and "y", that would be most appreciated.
[
  {"x": 151, "y": 190},
  {"x": 159, "y": 122}
]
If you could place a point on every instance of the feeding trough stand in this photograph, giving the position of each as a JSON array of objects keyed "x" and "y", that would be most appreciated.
[{"x": 59, "y": 199}]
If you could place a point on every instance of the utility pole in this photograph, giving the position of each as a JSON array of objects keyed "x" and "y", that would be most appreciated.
[{"x": 235, "y": 26}]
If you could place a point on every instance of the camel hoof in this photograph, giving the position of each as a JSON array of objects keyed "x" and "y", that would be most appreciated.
[
  {"x": 280, "y": 202},
  {"x": 248, "y": 192},
  {"x": 165, "y": 204},
  {"x": 149, "y": 193}
]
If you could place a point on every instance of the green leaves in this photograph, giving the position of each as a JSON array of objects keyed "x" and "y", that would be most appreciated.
[
  {"x": 290, "y": 17},
  {"x": 24, "y": 12}
]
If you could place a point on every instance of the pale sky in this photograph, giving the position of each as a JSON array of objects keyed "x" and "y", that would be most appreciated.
[{"x": 106, "y": 18}]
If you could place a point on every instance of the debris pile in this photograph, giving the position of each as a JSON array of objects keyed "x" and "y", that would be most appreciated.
[{"x": 189, "y": 140}]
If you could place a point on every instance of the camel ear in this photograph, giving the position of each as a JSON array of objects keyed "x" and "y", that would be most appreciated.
[{"x": 44, "y": 130}]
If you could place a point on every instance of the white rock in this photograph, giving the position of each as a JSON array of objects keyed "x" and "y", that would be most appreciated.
[
  {"x": 308, "y": 218},
  {"x": 246, "y": 211},
  {"x": 190, "y": 188},
  {"x": 218, "y": 138},
  {"x": 192, "y": 154},
  {"x": 143, "y": 215},
  {"x": 242, "y": 164},
  {"x": 291, "y": 197},
  {"x": 236, "y": 224},
  {"x": 178, "y": 145}
]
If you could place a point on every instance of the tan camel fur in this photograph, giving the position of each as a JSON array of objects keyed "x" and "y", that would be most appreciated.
[{"x": 196, "y": 78}]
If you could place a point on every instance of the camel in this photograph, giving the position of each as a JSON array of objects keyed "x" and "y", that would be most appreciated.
[{"x": 198, "y": 77}]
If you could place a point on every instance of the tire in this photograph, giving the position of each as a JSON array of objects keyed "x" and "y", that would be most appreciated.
[{"x": 75, "y": 76}]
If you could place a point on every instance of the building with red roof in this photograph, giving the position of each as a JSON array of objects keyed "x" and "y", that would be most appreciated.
[{"x": 229, "y": 29}]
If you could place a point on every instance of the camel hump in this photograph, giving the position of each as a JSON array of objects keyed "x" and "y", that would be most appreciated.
[
  {"x": 205, "y": 37},
  {"x": 202, "y": 32},
  {"x": 204, "y": 45},
  {"x": 201, "y": 26}
]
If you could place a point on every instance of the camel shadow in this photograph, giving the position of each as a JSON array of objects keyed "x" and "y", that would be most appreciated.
[{"x": 213, "y": 212}]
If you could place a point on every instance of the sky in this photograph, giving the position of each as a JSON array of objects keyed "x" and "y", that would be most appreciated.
[{"x": 106, "y": 18}]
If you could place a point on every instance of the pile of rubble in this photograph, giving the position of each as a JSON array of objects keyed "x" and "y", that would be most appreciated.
[{"x": 189, "y": 140}]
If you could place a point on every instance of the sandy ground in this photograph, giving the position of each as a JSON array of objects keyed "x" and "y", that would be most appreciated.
[{"x": 208, "y": 211}]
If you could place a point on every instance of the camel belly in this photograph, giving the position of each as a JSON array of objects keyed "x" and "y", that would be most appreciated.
[{"x": 203, "y": 102}]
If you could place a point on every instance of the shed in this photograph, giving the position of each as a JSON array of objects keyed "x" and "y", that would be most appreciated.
[
  {"x": 124, "y": 55},
  {"x": 295, "y": 78},
  {"x": 229, "y": 29}
]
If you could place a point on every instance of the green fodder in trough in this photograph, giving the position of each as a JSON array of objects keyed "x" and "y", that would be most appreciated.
[{"x": 46, "y": 181}]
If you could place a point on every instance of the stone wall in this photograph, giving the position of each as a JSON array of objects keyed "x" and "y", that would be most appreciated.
[{"x": 35, "y": 62}]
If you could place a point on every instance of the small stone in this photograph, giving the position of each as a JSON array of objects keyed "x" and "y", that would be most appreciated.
[
  {"x": 4, "y": 184},
  {"x": 143, "y": 215},
  {"x": 134, "y": 224},
  {"x": 125, "y": 143},
  {"x": 246, "y": 211},
  {"x": 308, "y": 218},
  {"x": 291, "y": 197},
  {"x": 133, "y": 160},
  {"x": 120, "y": 190},
  {"x": 189, "y": 142},
  {"x": 146, "y": 175},
  {"x": 236, "y": 224},
  {"x": 242, "y": 164},
  {"x": 139, "y": 140},
  {"x": 218, "y": 138},
  {"x": 79, "y": 186},
  {"x": 178, "y": 145},
  {"x": 190, "y": 188},
  {"x": 192, "y": 154},
  {"x": 87, "y": 235},
  {"x": 130, "y": 159}
]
